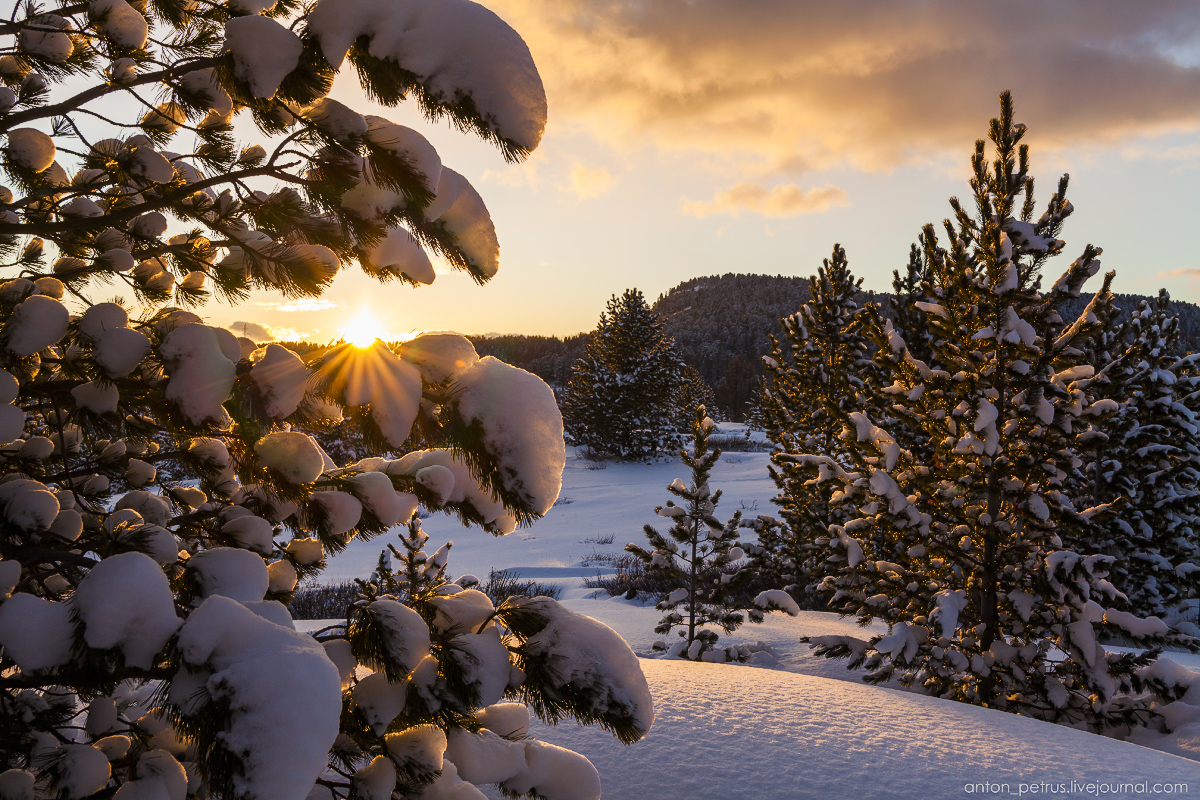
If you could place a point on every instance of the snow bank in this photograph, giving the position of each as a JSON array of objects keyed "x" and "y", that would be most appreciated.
[{"x": 799, "y": 735}]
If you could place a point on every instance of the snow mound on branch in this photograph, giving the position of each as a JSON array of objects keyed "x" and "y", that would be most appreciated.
[
  {"x": 336, "y": 120},
  {"x": 555, "y": 773},
  {"x": 483, "y": 664},
  {"x": 31, "y": 149},
  {"x": 456, "y": 48},
  {"x": 119, "y": 22},
  {"x": 440, "y": 355},
  {"x": 484, "y": 757},
  {"x": 82, "y": 771},
  {"x": 251, "y": 533},
  {"x": 398, "y": 252},
  {"x": 280, "y": 375},
  {"x": 126, "y": 602},
  {"x": 292, "y": 454},
  {"x": 405, "y": 634},
  {"x": 284, "y": 693},
  {"x": 264, "y": 52},
  {"x": 341, "y": 510},
  {"x": 522, "y": 428},
  {"x": 584, "y": 655},
  {"x": 466, "y": 489},
  {"x": 35, "y": 324},
  {"x": 462, "y": 211},
  {"x": 201, "y": 365},
  {"x": 34, "y": 632},
  {"x": 376, "y": 376},
  {"x": 416, "y": 148},
  {"x": 230, "y": 572}
]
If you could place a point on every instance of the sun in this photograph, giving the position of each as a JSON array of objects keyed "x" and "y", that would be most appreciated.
[{"x": 363, "y": 330}]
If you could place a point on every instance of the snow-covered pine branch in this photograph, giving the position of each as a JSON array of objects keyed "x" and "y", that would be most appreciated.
[{"x": 160, "y": 492}]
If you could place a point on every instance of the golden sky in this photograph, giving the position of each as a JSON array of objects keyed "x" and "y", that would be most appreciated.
[{"x": 696, "y": 137}]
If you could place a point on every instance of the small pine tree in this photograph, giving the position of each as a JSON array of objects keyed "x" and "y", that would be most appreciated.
[
  {"x": 961, "y": 552},
  {"x": 824, "y": 367},
  {"x": 692, "y": 391},
  {"x": 441, "y": 659},
  {"x": 620, "y": 398},
  {"x": 699, "y": 555}
]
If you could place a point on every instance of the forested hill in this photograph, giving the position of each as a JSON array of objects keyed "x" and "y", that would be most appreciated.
[{"x": 721, "y": 324}]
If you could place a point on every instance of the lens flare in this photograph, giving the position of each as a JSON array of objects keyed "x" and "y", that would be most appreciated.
[{"x": 363, "y": 330}]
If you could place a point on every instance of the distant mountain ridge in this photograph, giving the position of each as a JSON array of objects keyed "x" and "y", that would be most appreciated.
[{"x": 721, "y": 325}]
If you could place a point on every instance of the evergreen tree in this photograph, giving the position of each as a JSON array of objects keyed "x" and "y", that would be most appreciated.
[
  {"x": 962, "y": 554},
  {"x": 619, "y": 400},
  {"x": 692, "y": 391},
  {"x": 807, "y": 391},
  {"x": 159, "y": 499},
  {"x": 699, "y": 556},
  {"x": 910, "y": 289},
  {"x": 1145, "y": 460}
]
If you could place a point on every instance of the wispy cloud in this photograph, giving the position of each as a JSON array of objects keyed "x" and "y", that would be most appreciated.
[
  {"x": 303, "y": 304},
  {"x": 784, "y": 200},
  {"x": 587, "y": 182},
  {"x": 1178, "y": 273},
  {"x": 527, "y": 173}
]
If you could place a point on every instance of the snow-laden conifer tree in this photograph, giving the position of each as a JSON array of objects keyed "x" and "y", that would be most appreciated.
[
  {"x": 1144, "y": 458},
  {"x": 817, "y": 374},
  {"x": 700, "y": 557},
  {"x": 620, "y": 398},
  {"x": 158, "y": 498},
  {"x": 962, "y": 553}
]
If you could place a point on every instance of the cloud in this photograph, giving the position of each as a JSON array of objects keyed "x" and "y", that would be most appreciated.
[
  {"x": 1178, "y": 273},
  {"x": 303, "y": 304},
  {"x": 258, "y": 332},
  {"x": 515, "y": 175},
  {"x": 867, "y": 83},
  {"x": 253, "y": 330},
  {"x": 784, "y": 200},
  {"x": 587, "y": 182}
]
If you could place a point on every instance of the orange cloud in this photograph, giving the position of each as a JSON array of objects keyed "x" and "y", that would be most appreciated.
[
  {"x": 867, "y": 83},
  {"x": 587, "y": 182},
  {"x": 785, "y": 200}
]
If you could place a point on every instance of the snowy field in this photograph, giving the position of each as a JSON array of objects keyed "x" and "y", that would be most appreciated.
[
  {"x": 795, "y": 726},
  {"x": 617, "y": 500}
]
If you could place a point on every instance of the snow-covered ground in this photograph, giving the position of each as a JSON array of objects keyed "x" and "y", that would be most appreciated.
[
  {"x": 617, "y": 500},
  {"x": 804, "y": 727}
]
